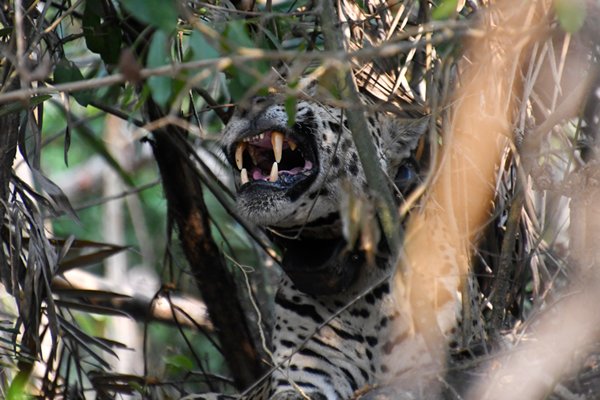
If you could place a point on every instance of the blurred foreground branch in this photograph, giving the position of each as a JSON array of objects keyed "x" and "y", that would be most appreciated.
[{"x": 440, "y": 237}]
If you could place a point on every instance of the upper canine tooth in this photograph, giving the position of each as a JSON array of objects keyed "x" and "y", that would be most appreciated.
[
  {"x": 244, "y": 176},
  {"x": 274, "y": 173},
  {"x": 277, "y": 143},
  {"x": 293, "y": 145},
  {"x": 239, "y": 154}
]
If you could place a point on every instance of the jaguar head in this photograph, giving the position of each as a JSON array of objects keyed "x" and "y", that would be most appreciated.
[
  {"x": 281, "y": 170},
  {"x": 292, "y": 178}
]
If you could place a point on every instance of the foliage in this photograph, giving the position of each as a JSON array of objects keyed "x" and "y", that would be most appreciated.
[
  {"x": 111, "y": 58},
  {"x": 66, "y": 66},
  {"x": 571, "y": 14}
]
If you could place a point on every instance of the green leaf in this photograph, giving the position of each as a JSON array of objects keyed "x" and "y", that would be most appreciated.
[
  {"x": 290, "y": 109},
  {"x": 160, "y": 86},
  {"x": 236, "y": 33},
  {"x": 329, "y": 82},
  {"x": 445, "y": 10},
  {"x": 101, "y": 35},
  {"x": 137, "y": 387},
  {"x": 66, "y": 72},
  {"x": 180, "y": 362},
  {"x": 273, "y": 40},
  {"x": 201, "y": 48},
  {"x": 158, "y": 13},
  {"x": 243, "y": 77},
  {"x": 17, "y": 390},
  {"x": 570, "y": 14},
  {"x": 159, "y": 55}
]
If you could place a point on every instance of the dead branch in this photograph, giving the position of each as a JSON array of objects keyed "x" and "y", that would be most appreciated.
[{"x": 144, "y": 307}]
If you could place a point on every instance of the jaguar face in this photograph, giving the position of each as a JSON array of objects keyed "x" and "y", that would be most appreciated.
[{"x": 279, "y": 167}]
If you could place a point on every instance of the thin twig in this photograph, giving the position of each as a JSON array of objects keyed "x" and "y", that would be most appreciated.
[
  {"x": 502, "y": 279},
  {"x": 244, "y": 56},
  {"x": 376, "y": 178}
]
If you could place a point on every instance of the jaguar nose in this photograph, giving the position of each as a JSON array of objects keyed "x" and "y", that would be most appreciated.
[
  {"x": 253, "y": 106},
  {"x": 258, "y": 100}
]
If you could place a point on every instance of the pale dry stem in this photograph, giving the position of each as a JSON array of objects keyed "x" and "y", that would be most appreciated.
[{"x": 458, "y": 202}]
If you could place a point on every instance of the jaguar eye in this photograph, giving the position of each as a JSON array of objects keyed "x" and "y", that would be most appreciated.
[
  {"x": 407, "y": 177},
  {"x": 406, "y": 173}
]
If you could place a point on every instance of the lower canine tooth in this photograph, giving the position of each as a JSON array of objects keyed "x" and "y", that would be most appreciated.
[
  {"x": 244, "y": 176},
  {"x": 274, "y": 172}
]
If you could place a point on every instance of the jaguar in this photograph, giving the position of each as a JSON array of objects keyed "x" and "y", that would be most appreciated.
[{"x": 339, "y": 329}]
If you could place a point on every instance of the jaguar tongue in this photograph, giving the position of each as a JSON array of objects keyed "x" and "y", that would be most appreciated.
[{"x": 275, "y": 174}]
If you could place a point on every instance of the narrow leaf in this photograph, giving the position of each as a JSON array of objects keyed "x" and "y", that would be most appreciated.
[
  {"x": 66, "y": 72},
  {"x": 85, "y": 340},
  {"x": 55, "y": 192},
  {"x": 90, "y": 294},
  {"x": 99, "y": 147},
  {"x": 102, "y": 35},
  {"x": 179, "y": 361},
  {"x": 88, "y": 259},
  {"x": 290, "y": 109},
  {"x": 91, "y": 308},
  {"x": 18, "y": 105},
  {"x": 159, "y": 55}
]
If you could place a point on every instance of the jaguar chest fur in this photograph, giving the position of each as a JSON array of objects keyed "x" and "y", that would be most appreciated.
[{"x": 338, "y": 325}]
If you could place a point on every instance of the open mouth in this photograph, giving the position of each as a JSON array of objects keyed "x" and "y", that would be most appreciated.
[{"x": 274, "y": 158}]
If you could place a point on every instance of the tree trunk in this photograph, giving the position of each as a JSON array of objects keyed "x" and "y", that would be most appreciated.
[{"x": 187, "y": 209}]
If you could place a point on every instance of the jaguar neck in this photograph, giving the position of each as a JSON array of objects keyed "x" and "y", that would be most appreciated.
[{"x": 323, "y": 263}]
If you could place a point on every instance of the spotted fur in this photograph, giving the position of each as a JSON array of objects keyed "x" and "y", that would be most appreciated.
[{"x": 334, "y": 344}]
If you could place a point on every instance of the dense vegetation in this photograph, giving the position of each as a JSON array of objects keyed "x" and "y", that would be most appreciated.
[{"x": 96, "y": 94}]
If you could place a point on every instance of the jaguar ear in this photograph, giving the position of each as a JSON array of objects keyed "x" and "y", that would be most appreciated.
[
  {"x": 308, "y": 86},
  {"x": 406, "y": 140}
]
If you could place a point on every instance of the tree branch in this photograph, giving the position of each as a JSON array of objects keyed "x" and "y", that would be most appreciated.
[
  {"x": 245, "y": 55},
  {"x": 187, "y": 209},
  {"x": 376, "y": 178},
  {"x": 189, "y": 312}
]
